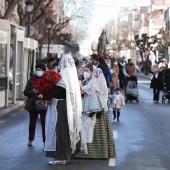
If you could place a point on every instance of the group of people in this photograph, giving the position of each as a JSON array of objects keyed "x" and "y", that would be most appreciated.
[{"x": 76, "y": 123}]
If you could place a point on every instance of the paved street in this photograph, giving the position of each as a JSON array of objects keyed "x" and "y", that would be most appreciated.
[{"x": 142, "y": 139}]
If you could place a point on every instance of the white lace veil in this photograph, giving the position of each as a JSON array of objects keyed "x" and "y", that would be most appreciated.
[
  {"x": 69, "y": 75},
  {"x": 99, "y": 82}
]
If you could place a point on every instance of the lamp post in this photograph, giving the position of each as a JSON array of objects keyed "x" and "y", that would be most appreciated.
[
  {"x": 29, "y": 7},
  {"x": 48, "y": 27}
]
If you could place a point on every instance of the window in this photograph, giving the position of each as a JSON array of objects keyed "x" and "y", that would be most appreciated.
[{"x": 3, "y": 60}]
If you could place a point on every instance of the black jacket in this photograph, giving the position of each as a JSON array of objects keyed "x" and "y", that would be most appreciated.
[{"x": 102, "y": 67}]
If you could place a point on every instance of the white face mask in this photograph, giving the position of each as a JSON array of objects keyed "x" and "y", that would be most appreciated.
[
  {"x": 39, "y": 73},
  {"x": 115, "y": 63},
  {"x": 86, "y": 75}
]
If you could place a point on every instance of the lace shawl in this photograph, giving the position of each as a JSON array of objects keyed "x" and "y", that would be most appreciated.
[{"x": 73, "y": 98}]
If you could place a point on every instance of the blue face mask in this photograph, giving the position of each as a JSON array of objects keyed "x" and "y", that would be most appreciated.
[
  {"x": 90, "y": 62},
  {"x": 39, "y": 73}
]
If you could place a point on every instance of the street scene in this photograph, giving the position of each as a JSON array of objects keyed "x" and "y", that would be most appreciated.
[
  {"x": 84, "y": 84},
  {"x": 141, "y": 137}
]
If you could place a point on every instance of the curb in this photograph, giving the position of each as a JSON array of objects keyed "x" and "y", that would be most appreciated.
[{"x": 11, "y": 107}]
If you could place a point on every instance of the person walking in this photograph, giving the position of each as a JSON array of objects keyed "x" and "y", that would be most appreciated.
[
  {"x": 118, "y": 102},
  {"x": 121, "y": 75},
  {"x": 108, "y": 72},
  {"x": 99, "y": 141},
  {"x": 95, "y": 61},
  {"x": 32, "y": 96},
  {"x": 63, "y": 120},
  {"x": 156, "y": 82},
  {"x": 115, "y": 74}
]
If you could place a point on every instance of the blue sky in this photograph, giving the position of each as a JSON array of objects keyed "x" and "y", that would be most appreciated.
[{"x": 102, "y": 12}]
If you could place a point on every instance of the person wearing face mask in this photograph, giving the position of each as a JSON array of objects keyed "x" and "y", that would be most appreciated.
[
  {"x": 121, "y": 75},
  {"x": 115, "y": 74},
  {"x": 96, "y": 128},
  {"x": 32, "y": 96}
]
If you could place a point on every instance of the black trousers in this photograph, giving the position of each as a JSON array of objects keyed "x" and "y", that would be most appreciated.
[
  {"x": 116, "y": 113},
  {"x": 156, "y": 94}
]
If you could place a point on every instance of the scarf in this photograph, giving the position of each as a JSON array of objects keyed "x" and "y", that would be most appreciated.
[{"x": 116, "y": 98}]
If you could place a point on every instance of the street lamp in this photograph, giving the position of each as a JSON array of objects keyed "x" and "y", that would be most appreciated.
[
  {"x": 48, "y": 27},
  {"x": 29, "y": 7}
]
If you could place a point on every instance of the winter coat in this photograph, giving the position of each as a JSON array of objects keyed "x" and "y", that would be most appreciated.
[
  {"x": 157, "y": 83},
  {"x": 119, "y": 103},
  {"x": 109, "y": 74},
  {"x": 115, "y": 82},
  {"x": 31, "y": 96}
]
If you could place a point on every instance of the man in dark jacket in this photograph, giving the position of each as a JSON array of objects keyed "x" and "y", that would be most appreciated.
[{"x": 95, "y": 61}]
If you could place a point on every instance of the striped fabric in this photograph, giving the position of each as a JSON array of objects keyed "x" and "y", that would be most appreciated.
[{"x": 103, "y": 145}]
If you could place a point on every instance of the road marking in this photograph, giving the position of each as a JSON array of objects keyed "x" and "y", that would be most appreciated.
[
  {"x": 112, "y": 162},
  {"x": 110, "y": 109},
  {"x": 115, "y": 134}
]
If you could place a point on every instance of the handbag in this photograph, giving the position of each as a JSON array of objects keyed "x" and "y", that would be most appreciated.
[{"x": 40, "y": 105}]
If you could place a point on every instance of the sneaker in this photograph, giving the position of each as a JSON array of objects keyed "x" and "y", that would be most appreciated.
[
  {"x": 30, "y": 143},
  {"x": 114, "y": 119},
  {"x": 118, "y": 120}
]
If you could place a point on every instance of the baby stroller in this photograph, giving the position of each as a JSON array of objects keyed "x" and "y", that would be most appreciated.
[
  {"x": 166, "y": 90},
  {"x": 131, "y": 89}
]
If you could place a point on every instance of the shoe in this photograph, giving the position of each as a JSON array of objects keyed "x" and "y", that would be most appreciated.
[
  {"x": 118, "y": 120},
  {"x": 114, "y": 119},
  {"x": 30, "y": 143},
  {"x": 57, "y": 162}
]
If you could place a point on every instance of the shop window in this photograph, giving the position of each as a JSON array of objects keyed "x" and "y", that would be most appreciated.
[{"x": 3, "y": 60}]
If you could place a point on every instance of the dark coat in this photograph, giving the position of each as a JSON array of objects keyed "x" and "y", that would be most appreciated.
[
  {"x": 157, "y": 83},
  {"x": 31, "y": 96},
  {"x": 103, "y": 68}
]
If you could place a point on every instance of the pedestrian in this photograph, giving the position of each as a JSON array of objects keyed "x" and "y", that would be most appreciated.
[
  {"x": 63, "y": 120},
  {"x": 156, "y": 81},
  {"x": 95, "y": 61},
  {"x": 52, "y": 63},
  {"x": 108, "y": 72},
  {"x": 96, "y": 125},
  {"x": 118, "y": 102},
  {"x": 32, "y": 96},
  {"x": 115, "y": 74},
  {"x": 121, "y": 75}
]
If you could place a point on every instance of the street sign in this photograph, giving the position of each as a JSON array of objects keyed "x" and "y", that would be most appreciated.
[{"x": 53, "y": 48}]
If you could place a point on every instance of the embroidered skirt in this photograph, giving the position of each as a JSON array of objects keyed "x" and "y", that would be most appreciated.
[{"x": 103, "y": 145}]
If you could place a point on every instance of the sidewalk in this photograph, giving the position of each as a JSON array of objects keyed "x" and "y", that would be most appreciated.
[{"x": 11, "y": 107}]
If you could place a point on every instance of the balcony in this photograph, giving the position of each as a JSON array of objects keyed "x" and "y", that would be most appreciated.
[
  {"x": 158, "y": 5},
  {"x": 158, "y": 23}
]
